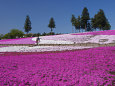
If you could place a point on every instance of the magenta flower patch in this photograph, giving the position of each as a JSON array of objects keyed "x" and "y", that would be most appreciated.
[
  {"x": 18, "y": 41},
  {"x": 90, "y": 67},
  {"x": 106, "y": 32}
]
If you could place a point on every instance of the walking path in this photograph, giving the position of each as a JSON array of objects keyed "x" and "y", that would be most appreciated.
[{"x": 78, "y": 44}]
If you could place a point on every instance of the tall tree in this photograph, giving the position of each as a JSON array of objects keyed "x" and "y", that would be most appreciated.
[
  {"x": 77, "y": 23},
  {"x": 51, "y": 24},
  {"x": 73, "y": 19},
  {"x": 100, "y": 21},
  {"x": 107, "y": 26},
  {"x": 84, "y": 18},
  {"x": 93, "y": 23},
  {"x": 27, "y": 25},
  {"x": 89, "y": 27}
]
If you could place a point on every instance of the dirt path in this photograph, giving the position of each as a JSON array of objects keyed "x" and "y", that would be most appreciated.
[{"x": 78, "y": 44}]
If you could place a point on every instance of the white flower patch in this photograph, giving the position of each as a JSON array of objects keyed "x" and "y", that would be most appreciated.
[
  {"x": 13, "y": 48},
  {"x": 97, "y": 38},
  {"x": 40, "y": 48},
  {"x": 63, "y": 39},
  {"x": 34, "y": 39},
  {"x": 52, "y": 41},
  {"x": 55, "y": 42}
]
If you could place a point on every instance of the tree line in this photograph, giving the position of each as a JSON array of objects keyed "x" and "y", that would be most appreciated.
[
  {"x": 84, "y": 22},
  {"x": 15, "y": 33}
]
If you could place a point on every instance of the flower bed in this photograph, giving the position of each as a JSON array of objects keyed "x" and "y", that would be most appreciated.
[
  {"x": 106, "y": 32},
  {"x": 98, "y": 38},
  {"x": 40, "y": 48},
  {"x": 90, "y": 67},
  {"x": 18, "y": 41},
  {"x": 63, "y": 39},
  {"x": 85, "y": 37}
]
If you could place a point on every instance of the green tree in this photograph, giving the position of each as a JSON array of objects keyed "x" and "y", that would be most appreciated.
[
  {"x": 107, "y": 26},
  {"x": 89, "y": 27},
  {"x": 1, "y": 36},
  {"x": 13, "y": 34},
  {"x": 34, "y": 35},
  {"x": 84, "y": 18},
  {"x": 93, "y": 23},
  {"x": 51, "y": 33},
  {"x": 29, "y": 35},
  {"x": 73, "y": 19},
  {"x": 6, "y": 36},
  {"x": 16, "y": 33},
  {"x": 51, "y": 24},
  {"x": 100, "y": 21},
  {"x": 77, "y": 23},
  {"x": 43, "y": 34},
  {"x": 27, "y": 25},
  {"x": 38, "y": 34}
]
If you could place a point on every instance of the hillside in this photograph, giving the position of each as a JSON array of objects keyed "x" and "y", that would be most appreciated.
[
  {"x": 58, "y": 61},
  {"x": 59, "y": 42}
]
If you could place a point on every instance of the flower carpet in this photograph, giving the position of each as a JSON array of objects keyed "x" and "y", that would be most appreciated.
[{"x": 89, "y": 67}]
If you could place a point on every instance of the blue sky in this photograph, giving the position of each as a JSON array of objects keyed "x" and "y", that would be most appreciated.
[{"x": 13, "y": 13}]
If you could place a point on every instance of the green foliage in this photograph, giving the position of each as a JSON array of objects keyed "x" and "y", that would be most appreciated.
[
  {"x": 89, "y": 27},
  {"x": 13, "y": 34},
  {"x": 93, "y": 23},
  {"x": 16, "y": 33},
  {"x": 51, "y": 24},
  {"x": 107, "y": 27},
  {"x": 84, "y": 18},
  {"x": 6, "y": 36},
  {"x": 1, "y": 36},
  {"x": 44, "y": 34},
  {"x": 27, "y": 25},
  {"x": 51, "y": 33},
  {"x": 29, "y": 35},
  {"x": 77, "y": 23},
  {"x": 73, "y": 19},
  {"x": 100, "y": 21},
  {"x": 36, "y": 35}
]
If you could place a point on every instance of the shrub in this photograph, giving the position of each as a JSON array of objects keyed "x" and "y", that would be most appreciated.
[
  {"x": 29, "y": 35},
  {"x": 6, "y": 36},
  {"x": 34, "y": 35},
  {"x": 44, "y": 34},
  {"x": 51, "y": 33},
  {"x": 1, "y": 36},
  {"x": 15, "y": 33}
]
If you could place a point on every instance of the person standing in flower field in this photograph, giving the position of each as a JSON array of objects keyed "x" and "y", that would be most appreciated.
[{"x": 37, "y": 40}]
